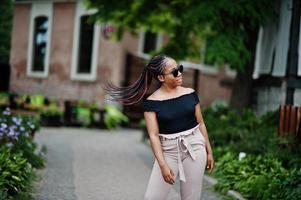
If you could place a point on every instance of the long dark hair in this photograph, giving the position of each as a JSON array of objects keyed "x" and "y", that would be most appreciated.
[{"x": 135, "y": 92}]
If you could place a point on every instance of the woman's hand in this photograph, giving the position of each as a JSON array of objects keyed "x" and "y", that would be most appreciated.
[
  {"x": 168, "y": 174},
  {"x": 210, "y": 162}
]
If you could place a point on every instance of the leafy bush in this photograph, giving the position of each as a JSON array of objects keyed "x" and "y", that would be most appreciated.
[
  {"x": 83, "y": 116},
  {"x": 287, "y": 150},
  {"x": 51, "y": 110},
  {"x": 4, "y": 99},
  {"x": 113, "y": 117},
  {"x": 271, "y": 169},
  {"x": 16, "y": 175},
  {"x": 251, "y": 134},
  {"x": 142, "y": 123},
  {"x": 257, "y": 177},
  {"x": 286, "y": 186},
  {"x": 245, "y": 132},
  {"x": 37, "y": 101}
]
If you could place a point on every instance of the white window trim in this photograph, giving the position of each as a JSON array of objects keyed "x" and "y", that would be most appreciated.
[
  {"x": 230, "y": 72},
  {"x": 39, "y": 9},
  {"x": 80, "y": 11},
  {"x": 141, "y": 44}
]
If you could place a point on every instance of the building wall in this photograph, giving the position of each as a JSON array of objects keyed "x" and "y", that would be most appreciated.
[
  {"x": 57, "y": 84},
  {"x": 19, "y": 43},
  {"x": 110, "y": 65},
  {"x": 211, "y": 90},
  {"x": 273, "y": 64}
]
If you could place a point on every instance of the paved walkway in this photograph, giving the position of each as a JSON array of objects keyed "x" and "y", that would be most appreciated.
[{"x": 87, "y": 164}]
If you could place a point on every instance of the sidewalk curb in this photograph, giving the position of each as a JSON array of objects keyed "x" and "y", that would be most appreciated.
[
  {"x": 236, "y": 195},
  {"x": 210, "y": 180}
]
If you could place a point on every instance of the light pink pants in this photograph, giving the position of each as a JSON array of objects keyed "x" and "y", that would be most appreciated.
[{"x": 186, "y": 156}]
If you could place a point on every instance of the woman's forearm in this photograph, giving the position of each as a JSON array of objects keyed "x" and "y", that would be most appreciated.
[
  {"x": 203, "y": 130},
  {"x": 157, "y": 150}
]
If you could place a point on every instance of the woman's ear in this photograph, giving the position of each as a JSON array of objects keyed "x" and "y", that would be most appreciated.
[{"x": 160, "y": 78}]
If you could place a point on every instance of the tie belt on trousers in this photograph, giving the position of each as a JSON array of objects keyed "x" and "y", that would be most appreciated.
[{"x": 182, "y": 142}]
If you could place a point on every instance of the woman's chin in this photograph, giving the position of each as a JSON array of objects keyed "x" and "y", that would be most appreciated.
[{"x": 179, "y": 82}]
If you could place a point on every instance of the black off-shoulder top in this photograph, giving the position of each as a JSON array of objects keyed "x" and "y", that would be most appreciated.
[{"x": 174, "y": 115}]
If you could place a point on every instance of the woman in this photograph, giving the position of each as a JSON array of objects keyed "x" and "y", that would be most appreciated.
[{"x": 176, "y": 129}]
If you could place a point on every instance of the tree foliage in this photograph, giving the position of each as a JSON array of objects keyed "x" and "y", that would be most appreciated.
[
  {"x": 5, "y": 29},
  {"x": 224, "y": 24}
]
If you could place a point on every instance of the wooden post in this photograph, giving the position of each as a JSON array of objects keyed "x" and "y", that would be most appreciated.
[
  {"x": 286, "y": 120},
  {"x": 293, "y": 120},
  {"x": 281, "y": 120}
]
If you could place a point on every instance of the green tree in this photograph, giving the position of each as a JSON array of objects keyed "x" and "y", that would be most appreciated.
[
  {"x": 5, "y": 29},
  {"x": 230, "y": 29}
]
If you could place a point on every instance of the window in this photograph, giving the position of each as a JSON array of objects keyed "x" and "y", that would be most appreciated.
[
  {"x": 39, "y": 39},
  {"x": 39, "y": 44},
  {"x": 85, "y": 45},
  {"x": 148, "y": 42}
]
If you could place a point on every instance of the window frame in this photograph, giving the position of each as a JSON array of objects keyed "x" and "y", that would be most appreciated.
[
  {"x": 39, "y": 9},
  {"x": 141, "y": 44},
  {"x": 92, "y": 76}
]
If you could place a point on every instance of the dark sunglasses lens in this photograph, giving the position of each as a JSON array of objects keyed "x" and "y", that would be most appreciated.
[
  {"x": 181, "y": 68},
  {"x": 175, "y": 72}
]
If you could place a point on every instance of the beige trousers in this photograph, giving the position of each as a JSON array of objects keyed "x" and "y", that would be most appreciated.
[{"x": 186, "y": 156}]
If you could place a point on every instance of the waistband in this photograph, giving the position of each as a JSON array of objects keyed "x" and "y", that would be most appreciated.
[
  {"x": 182, "y": 133},
  {"x": 180, "y": 139}
]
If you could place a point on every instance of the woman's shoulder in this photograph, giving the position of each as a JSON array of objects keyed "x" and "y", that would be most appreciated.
[
  {"x": 157, "y": 96},
  {"x": 188, "y": 90},
  {"x": 153, "y": 96}
]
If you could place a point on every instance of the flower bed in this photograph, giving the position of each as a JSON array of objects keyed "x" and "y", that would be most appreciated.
[{"x": 18, "y": 157}]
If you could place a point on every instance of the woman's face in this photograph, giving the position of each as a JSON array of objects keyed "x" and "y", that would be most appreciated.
[{"x": 168, "y": 76}]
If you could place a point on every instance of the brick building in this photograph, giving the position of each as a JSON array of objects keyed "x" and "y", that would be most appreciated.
[{"x": 57, "y": 53}]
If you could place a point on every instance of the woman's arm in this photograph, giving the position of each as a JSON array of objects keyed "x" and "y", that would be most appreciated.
[
  {"x": 153, "y": 130},
  {"x": 202, "y": 127}
]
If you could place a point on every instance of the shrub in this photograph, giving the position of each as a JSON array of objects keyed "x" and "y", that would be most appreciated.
[
  {"x": 286, "y": 186},
  {"x": 252, "y": 176},
  {"x": 251, "y": 134},
  {"x": 16, "y": 175},
  {"x": 113, "y": 117},
  {"x": 51, "y": 110},
  {"x": 271, "y": 169}
]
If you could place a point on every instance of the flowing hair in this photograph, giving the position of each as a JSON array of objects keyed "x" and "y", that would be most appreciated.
[{"x": 135, "y": 92}]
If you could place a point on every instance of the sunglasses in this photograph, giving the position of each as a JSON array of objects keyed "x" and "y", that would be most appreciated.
[{"x": 175, "y": 72}]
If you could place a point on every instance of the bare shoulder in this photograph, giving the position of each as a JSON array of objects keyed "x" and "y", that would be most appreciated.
[
  {"x": 187, "y": 90},
  {"x": 154, "y": 95}
]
